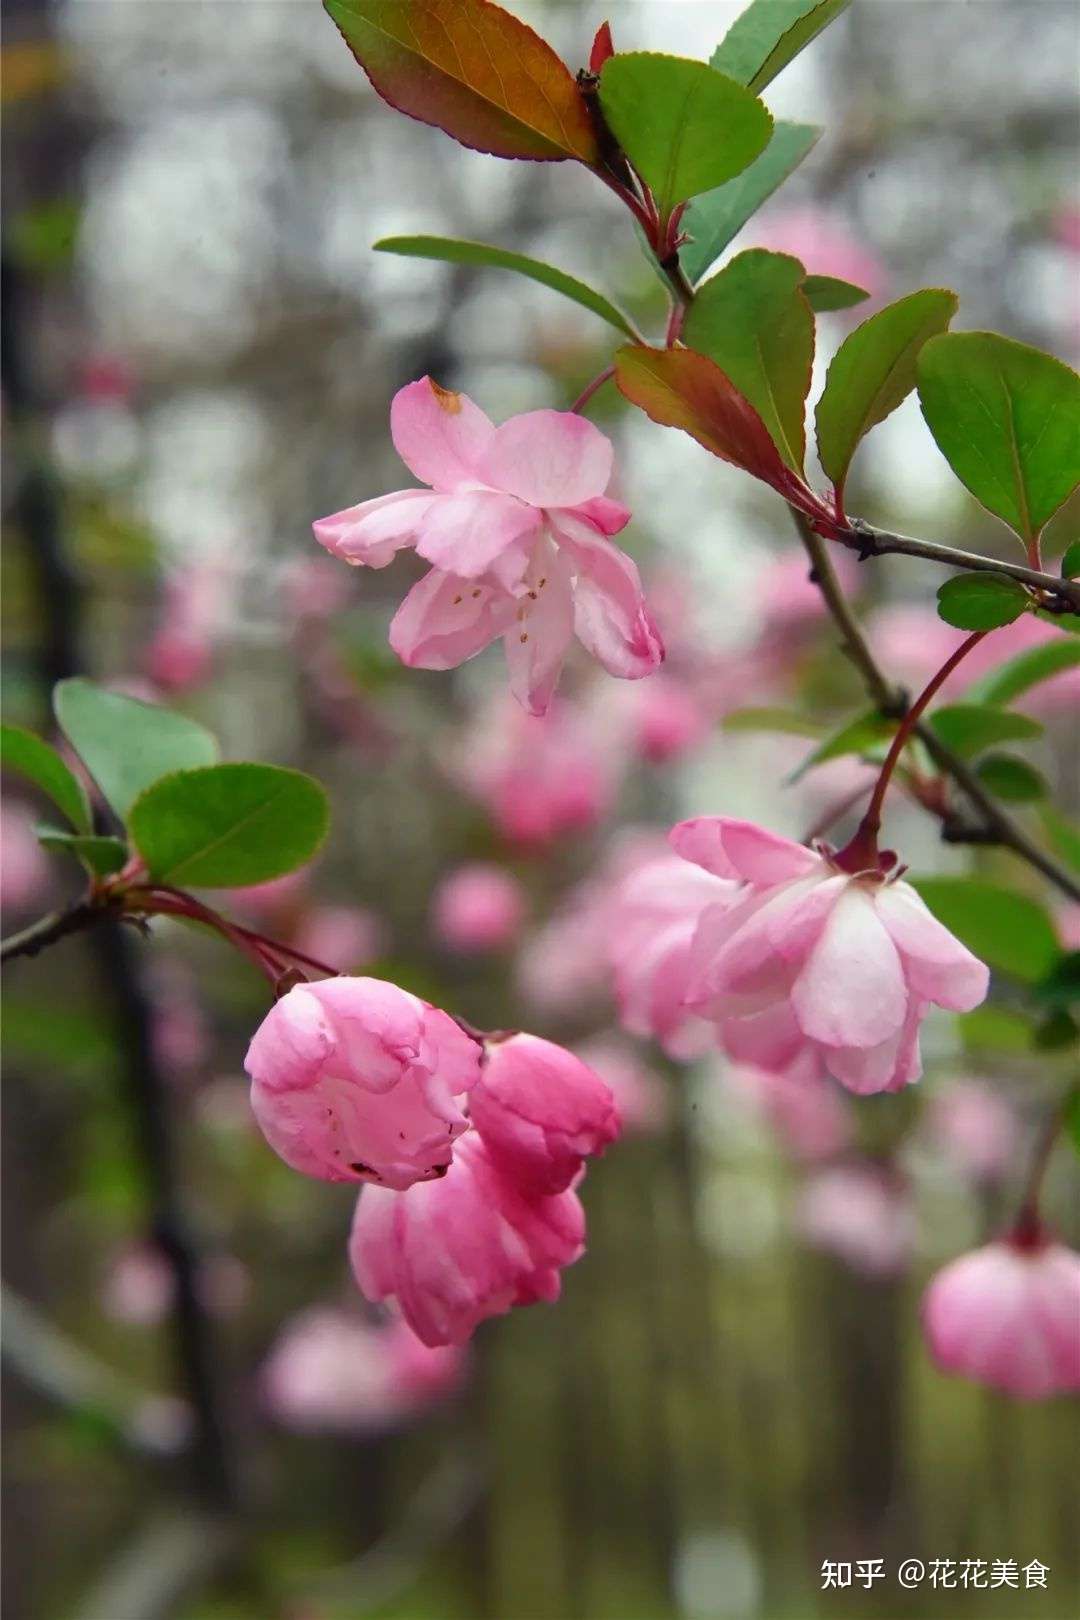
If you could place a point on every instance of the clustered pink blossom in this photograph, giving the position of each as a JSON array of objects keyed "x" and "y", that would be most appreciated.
[
  {"x": 516, "y": 525},
  {"x": 470, "y": 1148}
]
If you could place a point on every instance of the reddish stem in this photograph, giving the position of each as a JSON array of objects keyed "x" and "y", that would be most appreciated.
[
  {"x": 591, "y": 388},
  {"x": 1028, "y": 1230}
]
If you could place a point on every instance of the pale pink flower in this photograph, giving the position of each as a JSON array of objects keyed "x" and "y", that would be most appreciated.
[
  {"x": 329, "y": 1371},
  {"x": 912, "y": 642},
  {"x": 860, "y": 1214},
  {"x": 516, "y": 525},
  {"x": 805, "y": 1110},
  {"x": 667, "y": 718},
  {"x": 641, "y": 1097},
  {"x": 24, "y": 866},
  {"x": 344, "y": 937},
  {"x": 541, "y": 1112},
  {"x": 478, "y": 907},
  {"x": 809, "y": 956},
  {"x": 538, "y": 778},
  {"x": 974, "y": 1126},
  {"x": 353, "y": 1079},
  {"x": 471, "y": 1245},
  {"x": 1008, "y": 1316},
  {"x": 196, "y": 604},
  {"x": 825, "y": 243},
  {"x": 787, "y": 597},
  {"x": 1068, "y": 922},
  {"x": 139, "y": 1287}
]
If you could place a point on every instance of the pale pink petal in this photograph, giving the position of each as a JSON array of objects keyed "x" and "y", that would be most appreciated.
[
  {"x": 734, "y": 848},
  {"x": 548, "y": 458},
  {"x": 464, "y": 534},
  {"x": 370, "y": 534},
  {"x": 939, "y": 968},
  {"x": 770, "y": 1039},
  {"x": 541, "y": 628},
  {"x": 609, "y": 516},
  {"x": 610, "y": 615},
  {"x": 890, "y": 1066},
  {"x": 445, "y": 620},
  {"x": 440, "y": 436},
  {"x": 851, "y": 991}
]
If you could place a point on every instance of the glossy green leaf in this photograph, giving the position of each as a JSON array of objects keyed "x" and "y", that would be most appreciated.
[
  {"x": 981, "y": 601},
  {"x": 1007, "y": 930},
  {"x": 1010, "y": 778},
  {"x": 752, "y": 319},
  {"x": 38, "y": 761},
  {"x": 767, "y": 719},
  {"x": 1024, "y": 671},
  {"x": 860, "y": 734},
  {"x": 873, "y": 372},
  {"x": 769, "y": 34},
  {"x": 685, "y": 128},
  {"x": 228, "y": 825},
  {"x": 1070, "y": 562},
  {"x": 824, "y": 293},
  {"x": 101, "y": 856},
  {"x": 473, "y": 70},
  {"x": 452, "y": 251},
  {"x": 1062, "y": 835},
  {"x": 1007, "y": 420},
  {"x": 715, "y": 218},
  {"x": 126, "y": 744},
  {"x": 968, "y": 728}
]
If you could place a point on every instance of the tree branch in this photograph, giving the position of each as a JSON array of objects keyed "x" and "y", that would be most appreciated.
[
  {"x": 997, "y": 826},
  {"x": 47, "y": 930}
]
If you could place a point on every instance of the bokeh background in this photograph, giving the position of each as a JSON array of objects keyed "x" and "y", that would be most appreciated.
[{"x": 200, "y": 351}]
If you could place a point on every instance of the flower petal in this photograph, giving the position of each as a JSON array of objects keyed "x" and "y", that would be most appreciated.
[
  {"x": 938, "y": 966},
  {"x": 444, "y": 620},
  {"x": 548, "y": 458},
  {"x": 607, "y": 515},
  {"x": 537, "y": 640},
  {"x": 464, "y": 534},
  {"x": 370, "y": 533},
  {"x": 741, "y": 849},
  {"x": 439, "y": 435},
  {"x": 851, "y": 991},
  {"x": 610, "y": 615}
]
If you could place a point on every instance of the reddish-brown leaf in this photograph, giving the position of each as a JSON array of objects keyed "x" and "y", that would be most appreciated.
[
  {"x": 473, "y": 70},
  {"x": 602, "y": 48},
  {"x": 683, "y": 389}
]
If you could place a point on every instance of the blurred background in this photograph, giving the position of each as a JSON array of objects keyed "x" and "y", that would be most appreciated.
[{"x": 200, "y": 351}]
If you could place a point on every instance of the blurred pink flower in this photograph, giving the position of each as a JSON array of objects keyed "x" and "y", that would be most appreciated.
[
  {"x": 517, "y": 526},
  {"x": 471, "y": 1245},
  {"x": 825, "y": 243},
  {"x": 912, "y": 643},
  {"x": 640, "y": 1096},
  {"x": 788, "y": 598},
  {"x": 353, "y": 1079},
  {"x": 541, "y": 1112},
  {"x": 329, "y": 1371},
  {"x": 24, "y": 867},
  {"x": 861, "y": 1215},
  {"x": 1068, "y": 921},
  {"x": 973, "y": 1126},
  {"x": 274, "y": 901},
  {"x": 197, "y": 601},
  {"x": 1008, "y": 1316},
  {"x": 843, "y": 966},
  {"x": 312, "y": 588},
  {"x": 344, "y": 937},
  {"x": 667, "y": 718},
  {"x": 538, "y": 779},
  {"x": 478, "y": 907},
  {"x": 807, "y": 1112},
  {"x": 139, "y": 1286}
]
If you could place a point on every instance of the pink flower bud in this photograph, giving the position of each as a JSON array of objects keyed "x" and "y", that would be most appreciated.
[
  {"x": 356, "y": 1080},
  {"x": 541, "y": 1111},
  {"x": 478, "y": 907},
  {"x": 1008, "y": 1316},
  {"x": 862, "y": 1215},
  {"x": 471, "y": 1245}
]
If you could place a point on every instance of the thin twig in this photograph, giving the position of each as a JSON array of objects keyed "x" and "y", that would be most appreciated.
[
  {"x": 47, "y": 930},
  {"x": 871, "y": 542}
]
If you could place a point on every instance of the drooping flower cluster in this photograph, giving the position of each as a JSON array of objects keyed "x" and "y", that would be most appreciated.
[
  {"x": 516, "y": 525},
  {"x": 470, "y": 1148}
]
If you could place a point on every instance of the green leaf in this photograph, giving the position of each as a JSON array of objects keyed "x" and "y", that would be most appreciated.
[
  {"x": 753, "y": 321},
  {"x": 473, "y": 70},
  {"x": 453, "y": 251},
  {"x": 990, "y": 1028},
  {"x": 126, "y": 744},
  {"x": 1070, "y": 562},
  {"x": 1057, "y": 1031},
  {"x": 1062, "y": 835},
  {"x": 1007, "y": 930},
  {"x": 228, "y": 825},
  {"x": 769, "y": 34},
  {"x": 684, "y": 128},
  {"x": 824, "y": 293},
  {"x": 766, "y": 719},
  {"x": 981, "y": 601},
  {"x": 1012, "y": 779},
  {"x": 101, "y": 856},
  {"x": 38, "y": 761},
  {"x": 968, "y": 728},
  {"x": 1024, "y": 671},
  {"x": 1072, "y": 1117},
  {"x": 856, "y": 737},
  {"x": 1007, "y": 420},
  {"x": 713, "y": 219},
  {"x": 1069, "y": 622},
  {"x": 873, "y": 372},
  {"x": 1061, "y": 987}
]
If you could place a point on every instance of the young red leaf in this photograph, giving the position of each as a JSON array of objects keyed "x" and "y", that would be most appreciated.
[
  {"x": 683, "y": 389},
  {"x": 602, "y": 48},
  {"x": 473, "y": 70}
]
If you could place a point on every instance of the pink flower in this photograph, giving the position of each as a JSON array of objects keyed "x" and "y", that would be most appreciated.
[
  {"x": 808, "y": 956},
  {"x": 197, "y": 600},
  {"x": 516, "y": 526},
  {"x": 913, "y": 642},
  {"x": 537, "y": 778},
  {"x": 975, "y": 1127},
  {"x": 1008, "y": 1315},
  {"x": 860, "y": 1214},
  {"x": 807, "y": 1113},
  {"x": 641, "y": 1097},
  {"x": 331, "y": 1371},
  {"x": 667, "y": 719},
  {"x": 541, "y": 1112},
  {"x": 823, "y": 240},
  {"x": 472, "y": 1245},
  {"x": 356, "y": 1080},
  {"x": 24, "y": 868},
  {"x": 344, "y": 937},
  {"x": 478, "y": 907}
]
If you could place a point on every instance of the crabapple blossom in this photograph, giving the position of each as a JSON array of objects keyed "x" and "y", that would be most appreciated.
[
  {"x": 1008, "y": 1316},
  {"x": 974, "y": 1126},
  {"x": 806, "y": 1112},
  {"x": 809, "y": 956},
  {"x": 353, "y": 1079},
  {"x": 640, "y": 1096},
  {"x": 478, "y": 907},
  {"x": 455, "y": 1251},
  {"x": 537, "y": 778},
  {"x": 348, "y": 936},
  {"x": 516, "y": 525},
  {"x": 862, "y": 1215},
  {"x": 541, "y": 1112}
]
